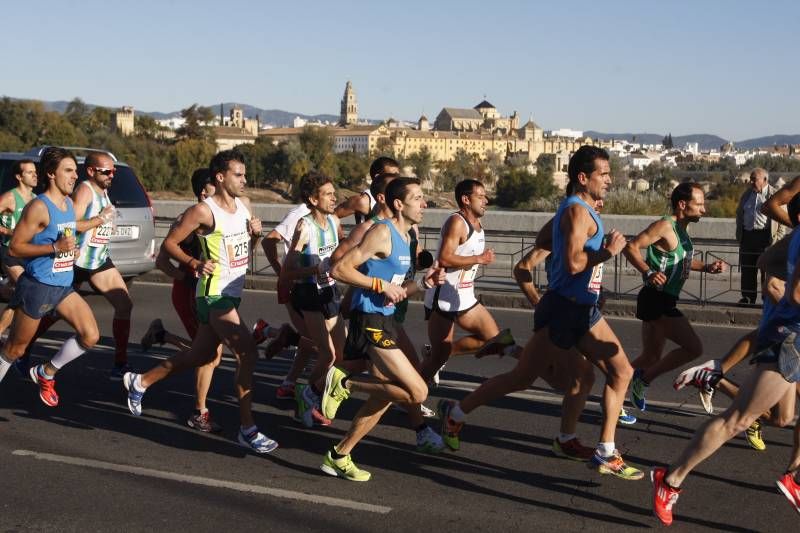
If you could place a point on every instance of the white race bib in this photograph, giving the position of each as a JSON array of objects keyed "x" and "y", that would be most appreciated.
[
  {"x": 596, "y": 279},
  {"x": 64, "y": 261},
  {"x": 101, "y": 235},
  {"x": 238, "y": 248},
  {"x": 467, "y": 278}
]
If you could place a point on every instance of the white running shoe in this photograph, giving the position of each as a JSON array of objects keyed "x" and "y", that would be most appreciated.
[
  {"x": 706, "y": 394},
  {"x": 428, "y": 441},
  {"x": 427, "y": 412}
]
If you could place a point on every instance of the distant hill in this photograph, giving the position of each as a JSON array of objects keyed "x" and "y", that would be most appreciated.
[
  {"x": 280, "y": 118},
  {"x": 704, "y": 140},
  {"x": 768, "y": 141}
]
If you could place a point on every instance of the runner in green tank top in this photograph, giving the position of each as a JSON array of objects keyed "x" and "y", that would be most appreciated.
[
  {"x": 11, "y": 205},
  {"x": 669, "y": 261}
]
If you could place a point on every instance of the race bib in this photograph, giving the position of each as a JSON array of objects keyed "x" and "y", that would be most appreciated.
[
  {"x": 64, "y": 261},
  {"x": 101, "y": 235},
  {"x": 596, "y": 279},
  {"x": 397, "y": 279},
  {"x": 324, "y": 279},
  {"x": 238, "y": 248},
  {"x": 467, "y": 278}
]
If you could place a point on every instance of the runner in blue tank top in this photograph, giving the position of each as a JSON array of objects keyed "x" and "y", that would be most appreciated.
[
  {"x": 775, "y": 374},
  {"x": 568, "y": 316},
  {"x": 45, "y": 237},
  {"x": 377, "y": 267}
]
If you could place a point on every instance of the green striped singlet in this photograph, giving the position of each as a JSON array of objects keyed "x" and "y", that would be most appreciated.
[
  {"x": 675, "y": 264},
  {"x": 10, "y": 220}
]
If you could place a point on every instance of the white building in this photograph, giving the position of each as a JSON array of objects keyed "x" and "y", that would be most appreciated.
[
  {"x": 172, "y": 123},
  {"x": 566, "y": 132},
  {"x": 299, "y": 122},
  {"x": 692, "y": 148}
]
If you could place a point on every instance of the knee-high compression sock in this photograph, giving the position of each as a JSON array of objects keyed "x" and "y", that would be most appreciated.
[
  {"x": 122, "y": 330},
  {"x": 70, "y": 350}
]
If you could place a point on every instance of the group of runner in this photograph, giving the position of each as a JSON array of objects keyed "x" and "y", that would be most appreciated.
[{"x": 61, "y": 239}]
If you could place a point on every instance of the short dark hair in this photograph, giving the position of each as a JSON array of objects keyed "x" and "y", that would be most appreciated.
[
  {"x": 583, "y": 161},
  {"x": 52, "y": 157},
  {"x": 793, "y": 208},
  {"x": 200, "y": 178},
  {"x": 16, "y": 168},
  {"x": 377, "y": 166},
  {"x": 398, "y": 190},
  {"x": 465, "y": 188},
  {"x": 378, "y": 185},
  {"x": 683, "y": 192},
  {"x": 310, "y": 185},
  {"x": 219, "y": 163}
]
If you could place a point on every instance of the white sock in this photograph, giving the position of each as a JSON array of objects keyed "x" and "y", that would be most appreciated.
[
  {"x": 457, "y": 414},
  {"x": 564, "y": 437},
  {"x": 605, "y": 449},
  {"x": 137, "y": 383},
  {"x": 5, "y": 364},
  {"x": 69, "y": 351}
]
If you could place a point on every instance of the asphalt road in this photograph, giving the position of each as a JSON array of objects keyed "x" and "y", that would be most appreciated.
[{"x": 88, "y": 465}]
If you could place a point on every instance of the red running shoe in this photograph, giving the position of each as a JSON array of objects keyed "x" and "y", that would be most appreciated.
[
  {"x": 285, "y": 392},
  {"x": 791, "y": 489},
  {"x": 47, "y": 387},
  {"x": 664, "y": 496},
  {"x": 260, "y": 331}
]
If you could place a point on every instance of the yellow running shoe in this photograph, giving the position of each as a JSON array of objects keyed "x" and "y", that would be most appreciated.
[
  {"x": 344, "y": 468},
  {"x": 334, "y": 394},
  {"x": 615, "y": 466},
  {"x": 754, "y": 437}
]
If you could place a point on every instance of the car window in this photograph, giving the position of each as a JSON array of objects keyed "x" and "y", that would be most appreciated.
[{"x": 125, "y": 190}]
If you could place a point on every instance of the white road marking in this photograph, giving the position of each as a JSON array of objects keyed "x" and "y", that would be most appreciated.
[{"x": 207, "y": 482}]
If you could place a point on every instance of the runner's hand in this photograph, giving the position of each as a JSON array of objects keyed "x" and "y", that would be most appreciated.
[
  {"x": 657, "y": 278},
  {"x": 435, "y": 275},
  {"x": 615, "y": 242},
  {"x": 716, "y": 267},
  {"x": 204, "y": 268},
  {"x": 254, "y": 225},
  {"x": 107, "y": 214},
  {"x": 486, "y": 258},
  {"x": 65, "y": 244},
  {"x": 394, "y": 293}
]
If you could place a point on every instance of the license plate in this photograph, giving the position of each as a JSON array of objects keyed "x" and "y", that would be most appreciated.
[{"x": 125, "y": 233}]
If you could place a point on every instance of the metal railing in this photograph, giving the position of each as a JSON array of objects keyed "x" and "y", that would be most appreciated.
[{"x": 621, "y": 280}]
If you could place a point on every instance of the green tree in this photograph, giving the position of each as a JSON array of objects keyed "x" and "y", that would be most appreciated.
[
  {"x": 352, "y": 169},
  {"x": 463, "y": 166},
  {"x": 518, "y": 188},
  {"x": 422, "y": 162},
  {"x": 77, "y": 113},
  {"x": 146, "y": 126},
  {"x": 189, "y": 155},
  {"x": 197, "y": 117}
]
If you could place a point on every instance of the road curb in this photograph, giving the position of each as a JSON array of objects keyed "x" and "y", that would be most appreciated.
[{"x": 700, "y": 314}]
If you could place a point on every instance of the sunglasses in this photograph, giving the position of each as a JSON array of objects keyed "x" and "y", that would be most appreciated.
[{"x": 105, "y": 171}]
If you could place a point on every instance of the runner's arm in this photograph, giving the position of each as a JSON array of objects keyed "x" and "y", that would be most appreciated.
[
  {"x": 358, "y": 203},
  {"x": 81, "y": 199},
  {"x": 34, "y": 219},
  {"x": 195, "y": 218},
  {"x": 454, "y": 234},
  {"x": 291, "y": 266},
  {"x": 793, "y": 286},
  {"x": 355, "y": 237},
  {"x": 523, "y": 273},
  {"x": 773, "y": 207},
  {"x": 576, "y": 225},
  {"x": 376, "y": 243},
  {"x": 270, "y": 247},
  {"x": 651, "y": 235},
  {"x": 164, "y": 264}
]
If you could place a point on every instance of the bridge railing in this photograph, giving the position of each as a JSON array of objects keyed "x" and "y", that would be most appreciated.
[{"x": 621, "y": 279}]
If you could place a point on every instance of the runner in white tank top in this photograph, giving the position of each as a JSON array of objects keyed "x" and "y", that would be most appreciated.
[
  {"x": 457, "y": 293},
  {"x": 462, "y": 251}
]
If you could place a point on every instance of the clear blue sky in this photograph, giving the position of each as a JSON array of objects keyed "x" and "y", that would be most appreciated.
[{"x": 702, "y": 66}]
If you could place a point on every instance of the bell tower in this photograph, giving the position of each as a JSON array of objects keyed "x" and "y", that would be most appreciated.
[{"x": 348, "y": 114}]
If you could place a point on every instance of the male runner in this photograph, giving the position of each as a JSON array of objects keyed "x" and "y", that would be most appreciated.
[
  {"x": 314, "y": 295},
  {"x": 377, "y": 266},
  {"x": 669, "y": 259},
  {"x": 427, "y": 439},
  {"x": 11, "y": 205},
  {"x": 360, "y": 205},
  {"x": 776, "y": 372},
  {"x": 568, "y": 316},
  {"x": 461, "y": 252},
  {"x": 45, "y": 237},
  {"x": 94, "y": 264},
  {"x": 283, "y": 232},
  {"x": 227, "y": 232}
]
